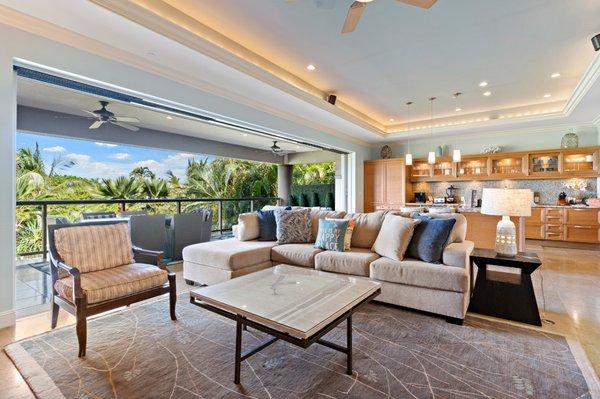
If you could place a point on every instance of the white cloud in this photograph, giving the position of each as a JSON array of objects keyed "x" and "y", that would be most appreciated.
[
  {"x": 79, "y": 158},
  {"x": 120, "y": 156},
  {"x": 56, "y": 148},
  {"x": 105, "y": 144}
]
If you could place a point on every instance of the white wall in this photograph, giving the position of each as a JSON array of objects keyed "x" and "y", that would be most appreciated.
[
  {"x": 515, "y": 140},
  {"x": 17, "y": 44},
  {"x": 8, "y": 109}
]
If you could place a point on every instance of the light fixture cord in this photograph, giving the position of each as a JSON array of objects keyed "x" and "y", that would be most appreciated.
[
  {"x": 408, "y": 104},
  {"x": 431, "y": 122}
]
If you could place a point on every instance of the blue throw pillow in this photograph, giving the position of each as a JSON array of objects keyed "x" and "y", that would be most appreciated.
[
  {"x": 429, "y": 238},
  {"x": 267, "y": 225},
  {"x": 331, "y": 234}
]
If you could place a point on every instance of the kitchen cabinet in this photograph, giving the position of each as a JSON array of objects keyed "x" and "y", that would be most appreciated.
[
  {"x": 582, "y": 162},
  {"x": 545, "y": 164},
  {"x": 421, "y": 171},
  {"x": 472, "y": 168},
  {"x": 444, "y": 169},
  {"x": 503, "y": 166},
  {"x": 534, "y": 225},
  {"x": 385, "y": 184},
  {"x": 564, "y": 224}
]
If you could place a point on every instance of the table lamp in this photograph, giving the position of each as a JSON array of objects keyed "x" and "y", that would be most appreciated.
[{"x": 506, "y": 203}]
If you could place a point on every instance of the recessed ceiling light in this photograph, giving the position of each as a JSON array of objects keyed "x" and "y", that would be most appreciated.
[
  {"x": 458, "y": 109},
  {"x": 391, "y": 119},
  {"x": 245, "y": 134},
  {"x": 555, "y": 75},
  {"x": 169, "y": 117},
  {"x": 487, "y": 93},
  {"x": 311, "y": 67},
  {"x": 547, "y": 95},
  {"x": 483, "y": 84}
]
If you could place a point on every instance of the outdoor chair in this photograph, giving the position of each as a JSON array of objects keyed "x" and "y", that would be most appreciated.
[
  {"x": 149, "y": 231},
  {"x": 98, "y": 215},
  {"x": 132, "y": 213},
  {"x": 188, "y": 229},
  {"x": 95, "y": 268}
]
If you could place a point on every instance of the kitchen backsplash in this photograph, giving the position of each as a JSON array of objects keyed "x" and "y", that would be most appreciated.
[{"x": 548, "y": 189}]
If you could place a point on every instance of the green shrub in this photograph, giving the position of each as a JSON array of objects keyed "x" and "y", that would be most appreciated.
[{"x": 304, "y": 200}]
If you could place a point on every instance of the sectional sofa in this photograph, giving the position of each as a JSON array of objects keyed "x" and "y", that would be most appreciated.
[{"x": 443, "y": 289}]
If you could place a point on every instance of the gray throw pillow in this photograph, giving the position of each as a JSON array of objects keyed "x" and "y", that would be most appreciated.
[
  {"x": 429, "y": 239},
  {"x": 394, "y": 236},
  {"x": 293, "y": 226}
]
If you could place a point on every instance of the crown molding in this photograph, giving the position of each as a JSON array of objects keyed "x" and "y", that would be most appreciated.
[
  {"x": 588, "y": 79},
  {"x": 47, "y": 30}
]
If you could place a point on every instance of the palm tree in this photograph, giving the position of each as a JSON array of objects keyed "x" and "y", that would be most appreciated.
[
  {"x": 60, "y": 163},
  {"x": 216, "y": 179},
  {"x": 121, "y": 188},
  {"x": 155, "y": 188},
  {"x": 30, "y": 161},
  {"x": 315, "y": 173},
  {"x": 142, "y": 172}
]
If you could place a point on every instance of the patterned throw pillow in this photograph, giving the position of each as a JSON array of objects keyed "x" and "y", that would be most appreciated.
[
  {"x": 429, "y": 239},
  {"x": 293, "y": 226},
  {"x": 332, "y": 234},
  {"x": 349, "y": 230}
]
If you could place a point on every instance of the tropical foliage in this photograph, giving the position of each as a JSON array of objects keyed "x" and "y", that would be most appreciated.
[{"x": 314, "y": 173}]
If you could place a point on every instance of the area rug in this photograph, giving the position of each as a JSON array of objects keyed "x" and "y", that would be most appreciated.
[{"x": 140, "y": 353}]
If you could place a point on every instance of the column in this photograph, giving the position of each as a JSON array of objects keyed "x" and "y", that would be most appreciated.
[{"x": 284, "y": 182}]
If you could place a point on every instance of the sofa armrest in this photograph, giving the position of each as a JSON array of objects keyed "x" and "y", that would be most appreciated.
[{"x": 457, "y": 254}]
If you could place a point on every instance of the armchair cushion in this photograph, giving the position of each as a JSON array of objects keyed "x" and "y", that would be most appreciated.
[
  {"x": 458, "y": 254},
  {"x": 96, "y": 247},
  {"x": 117, "y": 282}
]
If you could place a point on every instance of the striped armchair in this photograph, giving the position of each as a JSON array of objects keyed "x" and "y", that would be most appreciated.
[{"x": 95, "y": 268}]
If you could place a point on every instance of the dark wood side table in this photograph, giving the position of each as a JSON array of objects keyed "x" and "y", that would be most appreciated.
[{"x": 505, "y": 295}]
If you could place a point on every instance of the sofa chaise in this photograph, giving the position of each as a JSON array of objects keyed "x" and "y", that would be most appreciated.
[{"x": 443, "y": 289}]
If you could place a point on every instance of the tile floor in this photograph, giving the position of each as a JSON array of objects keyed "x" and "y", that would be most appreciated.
[{"x": 571, "y": 300}]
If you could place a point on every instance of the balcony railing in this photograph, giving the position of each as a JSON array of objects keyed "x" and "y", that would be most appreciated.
[{"x": 226, "y": 209}]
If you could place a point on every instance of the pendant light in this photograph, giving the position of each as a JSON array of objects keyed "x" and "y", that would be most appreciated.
[
  {"x": 456, "y": 157},
  {"x": 408, "y": 157},
  {"x": 431, "y": 155}
]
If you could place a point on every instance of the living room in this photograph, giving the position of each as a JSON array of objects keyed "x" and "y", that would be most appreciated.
[{"x": 456, "y": 253}]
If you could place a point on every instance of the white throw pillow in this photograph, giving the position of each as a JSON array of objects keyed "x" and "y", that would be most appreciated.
[
  {"x": 248, "y": 227},
  {"x": 394, "y": 236}
]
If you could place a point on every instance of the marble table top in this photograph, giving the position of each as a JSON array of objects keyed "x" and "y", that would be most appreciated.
[{"x": 295, "y": 300}]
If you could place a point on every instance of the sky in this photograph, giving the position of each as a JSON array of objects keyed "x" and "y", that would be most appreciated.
[{"x": 103, "y": 160}]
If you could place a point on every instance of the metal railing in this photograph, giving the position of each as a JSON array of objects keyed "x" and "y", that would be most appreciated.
[{"x": 44, "y": 205}]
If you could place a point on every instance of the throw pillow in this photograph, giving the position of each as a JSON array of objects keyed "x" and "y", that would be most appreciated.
[
  {"x": 349, "y": 231},
  {"x": 248, "y": 227},
  {"x": 394, "y": 236},
  {"x": 331, "y": 235},
  {"x": 266, "y": 225},
  {"x": 293, "y": 226},
  {"x": 429, "y": 239}
]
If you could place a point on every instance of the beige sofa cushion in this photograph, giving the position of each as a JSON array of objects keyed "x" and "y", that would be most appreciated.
[
  {"x": 248, "y": 227},
  {"x": 394, "y": 236},
  {"x": 420, "y": 274},
  {"x": 316, "y": 214},
  {"x": 459, "y": 231},
  {"x": 295, "y": 254},
  {"x": 96, "y": 247},
  {"x": 355, "y": 262},
  {"x": 366, "y": 228},
  {"x": 457, "y": 254},
  {"x": 114, "y": 283},
  {"x": 230, "y": 254}
]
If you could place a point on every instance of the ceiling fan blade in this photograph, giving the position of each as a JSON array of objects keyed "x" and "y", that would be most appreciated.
[
  {"x": 419, "y": 3},
  {"x": 128, "y": 119},
  {"x": 96, "y": 124},
  {"x": 126, "y": 126},
  {"x": 354, "y": 13},
  {"x": 90, "y": 112}
]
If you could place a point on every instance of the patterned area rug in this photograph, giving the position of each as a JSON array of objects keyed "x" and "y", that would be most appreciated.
[{"x": 140, "y": 353}]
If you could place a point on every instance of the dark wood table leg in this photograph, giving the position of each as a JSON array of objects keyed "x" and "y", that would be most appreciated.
[
  {"x": 238, "y": 349},
  {"x": 349, "y": 345}
]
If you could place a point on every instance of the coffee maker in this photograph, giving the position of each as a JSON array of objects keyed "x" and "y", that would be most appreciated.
[
  {"x": 420, "y": 197},
  {"x": 451, "y": 192}
]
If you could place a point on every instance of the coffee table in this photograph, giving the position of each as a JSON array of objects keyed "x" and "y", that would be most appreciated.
[{"x": 294, "y": 304}]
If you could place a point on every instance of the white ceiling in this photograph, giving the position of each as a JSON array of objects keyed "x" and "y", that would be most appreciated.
[
  {"x": 58, "y": 99},
  {"x": 400, "y": 53}
]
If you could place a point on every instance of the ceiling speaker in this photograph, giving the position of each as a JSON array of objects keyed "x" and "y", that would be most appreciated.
[
  {"x": 596, "y": 42},
  {"x": 331, "y": 99}
]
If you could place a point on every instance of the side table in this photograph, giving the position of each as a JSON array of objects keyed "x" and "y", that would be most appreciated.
[{"x": 505, "y": 295}]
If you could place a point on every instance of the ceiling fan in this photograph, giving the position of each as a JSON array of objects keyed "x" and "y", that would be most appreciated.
[
  {"x": 103, "y": 115},
  {"x": 358, "y": 7}
]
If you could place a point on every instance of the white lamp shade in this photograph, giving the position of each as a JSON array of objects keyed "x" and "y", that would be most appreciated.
[
  {"x": 456, "y": 156},
  {"x": 506, "y": 202},
  {"x": 431, "y": 157},
  {"x": 408, "y": 159}
]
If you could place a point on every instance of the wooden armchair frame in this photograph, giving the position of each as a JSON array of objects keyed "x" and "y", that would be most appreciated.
[{"x": 78, "y": 306}]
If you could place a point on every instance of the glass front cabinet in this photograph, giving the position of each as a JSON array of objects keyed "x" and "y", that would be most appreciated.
[
  {"x": 444, "y": 169},
  {"x": 472, "y": 168},
  {"x": 509, "y": 166},
  {"x": 545, "y": 164},
  {"x": 421, "y": 171},
  {"x": 580, "y": 162}
]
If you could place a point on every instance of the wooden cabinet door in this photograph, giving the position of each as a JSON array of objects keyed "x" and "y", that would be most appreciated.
[
  {"x": 586, "y": 217},
  {"x": 395, "y": 183},
  {"x": 581, "y": 233},
  {"x": 553, "y": 215},
  {"x": 374, "y": 185},
  {"x": 536, "y": 216},
  {"x": 534, "y": 231}
]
